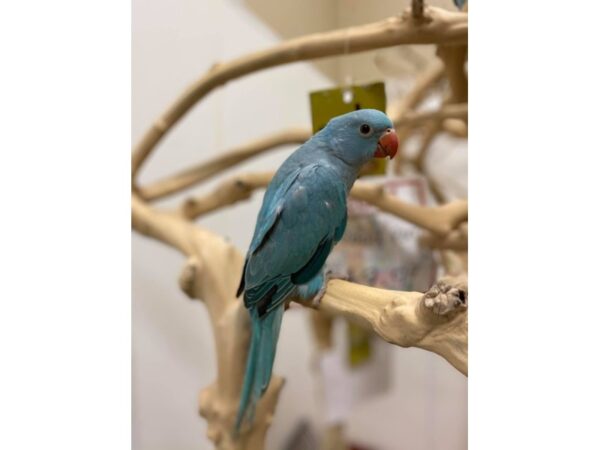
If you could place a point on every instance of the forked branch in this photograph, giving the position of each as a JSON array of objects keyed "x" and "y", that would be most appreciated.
[
  {"x": 439, "y": 220},
  {"x": 201, "y": 172},
  {"x": 437, "y": 26}
]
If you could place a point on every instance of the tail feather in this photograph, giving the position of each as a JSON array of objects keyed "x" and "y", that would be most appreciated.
[{"x": 259, "y": 365}]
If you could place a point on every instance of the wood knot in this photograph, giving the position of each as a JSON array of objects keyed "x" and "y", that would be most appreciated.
[{"x": 187, "y": 279}]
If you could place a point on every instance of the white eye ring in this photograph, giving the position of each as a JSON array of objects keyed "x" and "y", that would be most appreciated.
[{"x": 365, "y": 130}]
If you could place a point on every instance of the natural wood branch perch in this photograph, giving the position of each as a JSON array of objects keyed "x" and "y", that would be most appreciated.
[
  {"x": 228, "y": 159},
  {"x": 457, "y": 239},
  {"x": 417, "y": 7},
  {"x": 399, "y": 317},
  {"x": 454, "y": 58},
  {"x": 230, "y": 191},
  {"x": 437, "y": 26},
  {"x": 211, "y": 274},
  {"x": 201, "y": 172},
  {"x": 456, "y": 127},
  {"x": 439, "y": 220},
  {"x": 423, "y": 84},
  {"x": 414, "y": 119},
  {"x": 434, "y": 321}
]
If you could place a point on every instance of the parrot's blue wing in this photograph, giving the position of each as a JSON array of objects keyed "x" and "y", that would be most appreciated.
[
  {"x": 308, "y": 218},
  {"x": 268, "y": 216},
  {"x": 271, "y": 209},
  {"x": 313, "y": 266},
  {"x": 300, "y": 222}
]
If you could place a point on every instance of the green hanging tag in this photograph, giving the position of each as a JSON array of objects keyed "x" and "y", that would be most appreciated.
[
  {"x": 359, "y": 345},
  {"x": 330, "y": 103}
]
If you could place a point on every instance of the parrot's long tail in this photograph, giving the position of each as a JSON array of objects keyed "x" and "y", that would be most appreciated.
[{"x": 259, "y": 365}]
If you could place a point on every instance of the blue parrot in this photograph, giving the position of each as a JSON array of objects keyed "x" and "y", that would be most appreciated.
[{"x": 303, "y": 215}]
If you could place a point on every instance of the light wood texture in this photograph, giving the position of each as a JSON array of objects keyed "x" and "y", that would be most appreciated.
[
  {"x": 437, "y": 25},
  {"x": 401, "y": 318},
  {"x": 187, "y": 178},
  {"x": 440, "y": 220},
  {"x": 204, "y": 171},
  {"x": 434, "y": 321}
]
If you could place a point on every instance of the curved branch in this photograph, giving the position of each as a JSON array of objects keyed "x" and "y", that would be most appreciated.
[
  {"x": 433, "y": 322},
  {"x": 438, "y": 220},
  {"x": 436, "y": 321},
  {"x": 457, "y": 239},
  {"x": 212, "y": 167},
  {"x": 230, "y": 191},
  {"x": 415, "y": 119},
  {"x": 456, "y": 127},
  {"x": 438, "y": 26},
  {"x": 201, "y": 172},
  {"x": 454, "y": 58},
  {"x": 423, "y": 84}
]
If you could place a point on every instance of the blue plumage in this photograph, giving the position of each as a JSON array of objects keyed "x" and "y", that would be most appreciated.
[{"x": 302, "y": 217}]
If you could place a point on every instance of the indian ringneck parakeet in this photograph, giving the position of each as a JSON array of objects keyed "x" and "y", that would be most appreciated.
[{"x": 302, "y": 217}]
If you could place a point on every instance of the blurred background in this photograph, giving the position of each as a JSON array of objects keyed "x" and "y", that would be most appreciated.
[{"x": 424, "y": 402}]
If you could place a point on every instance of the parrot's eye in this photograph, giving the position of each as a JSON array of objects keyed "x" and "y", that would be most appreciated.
[{"x": 365, "y": 129}]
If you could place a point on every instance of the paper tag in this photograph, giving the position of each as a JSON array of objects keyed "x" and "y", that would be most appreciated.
[
  {"x": 330, "y": 103},
  {"x": 359, "y": 345}
]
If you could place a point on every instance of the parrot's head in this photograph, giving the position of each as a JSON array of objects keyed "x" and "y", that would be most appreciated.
[{"x": 358, "y": 136}]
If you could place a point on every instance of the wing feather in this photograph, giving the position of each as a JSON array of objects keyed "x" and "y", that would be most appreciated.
[{"x": 291, "y": 246}]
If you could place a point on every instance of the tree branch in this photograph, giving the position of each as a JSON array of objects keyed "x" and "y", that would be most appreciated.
[
  {"x": 216, "y": 165},
  {"x": 435, "y": 321},
  {"x": 440, "y": 26},
  {"x": 457, "y": 239},
  {"x": 201, "y": 172},
  {"x": 423, "y": 84},
  {"x": 204, "y": 278},
  {"x": 439, "y": 220}
]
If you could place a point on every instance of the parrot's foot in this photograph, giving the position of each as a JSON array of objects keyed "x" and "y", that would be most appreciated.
[
  {"x": 444, "y": 298},
  {"x": 327, "y": 276},
  {"x": 316, "y": 301}
]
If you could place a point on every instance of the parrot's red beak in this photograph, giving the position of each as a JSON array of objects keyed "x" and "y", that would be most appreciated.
[{"x": 387, "y": 144}]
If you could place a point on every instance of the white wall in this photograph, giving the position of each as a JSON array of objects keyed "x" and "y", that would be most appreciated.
[{"x": 173, "y": 357}]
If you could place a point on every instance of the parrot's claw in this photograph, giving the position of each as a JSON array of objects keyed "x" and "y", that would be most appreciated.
[
  {"x": 327, "y": 276},
  {"x": 316, "y": 301},
  {"x": 444, "y": 298}
]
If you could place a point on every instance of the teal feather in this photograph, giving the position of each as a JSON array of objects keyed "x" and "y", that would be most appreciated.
[
  {"x": 259, "y": 365},
  {"x": 302, "y": 217}
]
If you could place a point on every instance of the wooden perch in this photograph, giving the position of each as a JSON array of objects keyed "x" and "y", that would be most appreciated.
[
  {"x": 228, "y": 159},
  {"x": 434, "y": 321},
  {"x": 439, "y": 220},
  {"x": 456, "y": 239},
  {"x": 212, "y": 274},
  {"x": 454, "y": 57},
  {"x": 403, "y": 318},
  {"x": 423, "y": 84},
  {"x": 437, "y": 26},
  {"x": 201, "y": 172}
]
